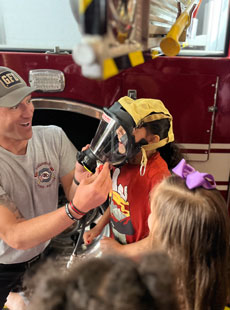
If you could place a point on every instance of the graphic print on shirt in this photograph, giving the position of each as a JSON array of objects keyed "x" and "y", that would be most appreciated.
[
  {"x": 120, "y": 211},
  {"x": 44, "y": 175}
]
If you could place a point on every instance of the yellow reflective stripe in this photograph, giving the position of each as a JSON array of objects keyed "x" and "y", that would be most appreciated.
[
  {"x": 83, "y": 5},
  {"x": 109, "y": 68},
  {"x": 136, "y": 58},
  {"x": 87, "y": 169}
]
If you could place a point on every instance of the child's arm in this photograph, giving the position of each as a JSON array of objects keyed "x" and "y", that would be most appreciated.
[
  {"x": 109, "y": 245},
  {"x": 90, "y": 235}
]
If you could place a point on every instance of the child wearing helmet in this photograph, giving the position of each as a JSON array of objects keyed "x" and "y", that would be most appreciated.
[{"x": 144, "y": 130}]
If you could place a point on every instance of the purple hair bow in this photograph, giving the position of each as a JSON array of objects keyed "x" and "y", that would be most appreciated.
[{"x": 192, "y": 177}]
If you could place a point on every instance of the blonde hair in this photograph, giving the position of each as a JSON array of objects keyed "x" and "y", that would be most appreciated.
[{"x": 193, "y": 227}]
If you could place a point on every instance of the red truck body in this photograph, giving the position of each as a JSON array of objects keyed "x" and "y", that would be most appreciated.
[{"x": 196, "y": 90}]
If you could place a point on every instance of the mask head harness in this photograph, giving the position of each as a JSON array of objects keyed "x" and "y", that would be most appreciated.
[{"x": 114, "y": 140}]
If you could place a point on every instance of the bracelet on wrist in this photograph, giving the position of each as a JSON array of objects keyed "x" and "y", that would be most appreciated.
[
  {"x": 69, "y": 214},
  {"x": 75, "y": 209},
  {"x": 75, "y": 181}
]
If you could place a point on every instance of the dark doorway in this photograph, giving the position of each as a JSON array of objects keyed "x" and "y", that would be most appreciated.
[{"x": 78, "y": 127}]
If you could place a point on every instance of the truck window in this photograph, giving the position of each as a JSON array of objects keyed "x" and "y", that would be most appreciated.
[
  {"x": 207, "y": 34},
  {"x": 37, "y": 25},
  {"x": 43, "y": 25}
]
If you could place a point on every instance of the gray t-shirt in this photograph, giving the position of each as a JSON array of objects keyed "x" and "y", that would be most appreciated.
[{"x": 32, "y": 180}]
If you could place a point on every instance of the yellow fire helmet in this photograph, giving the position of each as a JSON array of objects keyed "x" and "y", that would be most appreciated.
[{"x": 146, "y": 110}]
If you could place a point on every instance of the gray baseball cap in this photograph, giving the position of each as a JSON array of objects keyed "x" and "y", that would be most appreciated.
[{"x": 13, "y": 89}]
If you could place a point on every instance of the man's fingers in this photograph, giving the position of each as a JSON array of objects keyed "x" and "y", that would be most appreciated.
[
  {"x": 104, "y": 178},
  {"x": 85, "y": 147},
  {"x": 96, "y": 188},
  {"x": 91, "y": 178},
  {"x": 100, "y": 178}
]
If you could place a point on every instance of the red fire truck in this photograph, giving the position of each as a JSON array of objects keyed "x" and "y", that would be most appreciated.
[{"x": 37, "y": 39}]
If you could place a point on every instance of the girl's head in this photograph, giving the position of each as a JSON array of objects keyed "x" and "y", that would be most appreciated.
[
  {"x": 152, "y": 129},
  {"x": 145, "y": 111},
  {"x": 192, "y": 225}
]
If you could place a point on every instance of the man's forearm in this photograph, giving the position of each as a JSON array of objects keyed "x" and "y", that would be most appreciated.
[
  {"x": 30, "y": 233},
  {"x": 72, "y": 191}
]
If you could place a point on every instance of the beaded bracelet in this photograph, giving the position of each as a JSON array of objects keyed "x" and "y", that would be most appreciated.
[
  {"x": 75, "y": 209},
  {"x": 69, "y": 214},
  {"x": 75, "y": 181}
]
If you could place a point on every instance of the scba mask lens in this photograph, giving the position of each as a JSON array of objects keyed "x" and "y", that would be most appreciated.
[{"x": 110, "y": 144}]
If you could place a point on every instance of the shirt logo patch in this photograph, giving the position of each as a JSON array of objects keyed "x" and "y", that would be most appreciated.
[
  {"x": 44, "y": 175},
  {"x": 9, "y": 79}
]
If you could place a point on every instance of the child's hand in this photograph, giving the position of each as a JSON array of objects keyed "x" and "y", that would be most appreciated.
[
  {"x": 109, "y": 245},
  {"x": 90, "y": 235}
]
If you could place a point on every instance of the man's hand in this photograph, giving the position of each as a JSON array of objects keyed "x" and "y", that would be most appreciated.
[
  {"x": 94, "y": 190},
  {"x": 109, "y": 245}
]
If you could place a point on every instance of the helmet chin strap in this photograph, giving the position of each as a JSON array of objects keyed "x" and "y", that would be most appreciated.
[
  {"x": 144, "y": 160},
  {"x": 150, "y": 147}
]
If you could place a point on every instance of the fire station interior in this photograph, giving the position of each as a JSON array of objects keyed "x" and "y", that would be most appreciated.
[{"x": 82, "y": 56}]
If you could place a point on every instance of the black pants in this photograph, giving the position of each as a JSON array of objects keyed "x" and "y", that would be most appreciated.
[{"x": 11, "y": 277}]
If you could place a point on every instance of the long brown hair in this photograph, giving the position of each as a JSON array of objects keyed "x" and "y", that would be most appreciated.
[{"x": 193, "y": 227}]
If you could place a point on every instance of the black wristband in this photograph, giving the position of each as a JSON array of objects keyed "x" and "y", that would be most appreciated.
[
  {"x": 75, "y": 181},
  {"x": 69, "y": 214},
  {"x": 75, "y": 209}
]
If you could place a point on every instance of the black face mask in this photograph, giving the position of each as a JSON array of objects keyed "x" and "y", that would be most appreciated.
[{"x": 113, "y": 142}]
